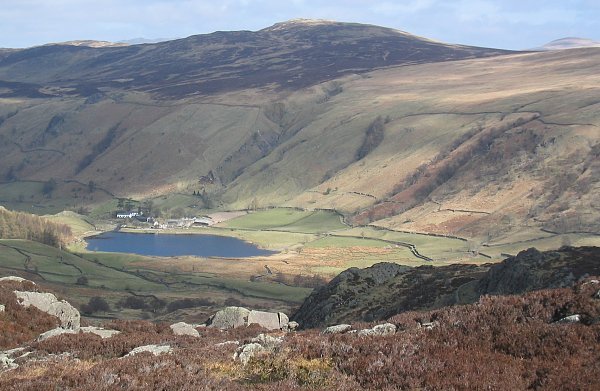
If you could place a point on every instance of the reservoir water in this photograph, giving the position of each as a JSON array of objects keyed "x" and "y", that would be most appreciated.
[{"x": 168, "y": 245}]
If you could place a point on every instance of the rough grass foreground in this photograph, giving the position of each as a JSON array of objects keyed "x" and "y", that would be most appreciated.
[{"x": 499, "y": 343}]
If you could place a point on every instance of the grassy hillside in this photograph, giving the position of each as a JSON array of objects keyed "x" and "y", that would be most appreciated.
[{"x": 119, "y": 276}]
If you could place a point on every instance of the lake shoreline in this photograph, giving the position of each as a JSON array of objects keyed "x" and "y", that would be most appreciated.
[{"x": 174, "y": 244}]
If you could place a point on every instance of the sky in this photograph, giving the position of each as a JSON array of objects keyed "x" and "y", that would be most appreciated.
[{"x": 507, "y": 24}]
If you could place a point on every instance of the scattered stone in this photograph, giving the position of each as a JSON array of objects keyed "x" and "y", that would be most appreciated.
[
  {"x": 2, "y": 308},
  {"x": 183, "y": 328},
  {"x": 268, "y": 342},
  {"x": 379, "y": 330},
  {"x": 7, "y": 358},
  {"x": 154, "y": 349},
  {"x": 292, "y": 326},
  {"x": 7, "y": 362},
  {"x": 338, "y": 329},
  {"x": 260, "y": 344},
  {"x": 232, "y": 317},
  {"x": 429, "y": 325},
  {"x": 67, "y": 314},
  {"x": 226, "y": 343},
  {"x": 246, "y": 352},
  {"x": 103, "y": 333},
  {"x": 570, "y": 319},
  {"x": 229, "y": 318},
  {"x": 597, "y": 295},
  {"x": 54, "y": 333}
]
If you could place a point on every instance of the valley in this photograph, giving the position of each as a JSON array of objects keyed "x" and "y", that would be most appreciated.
[
  {"x": 305, "y": 175},
  {"x": 413, "y": 152}
]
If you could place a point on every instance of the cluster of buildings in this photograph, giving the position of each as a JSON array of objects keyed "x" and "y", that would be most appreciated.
[{"x": 185, "y": 222}]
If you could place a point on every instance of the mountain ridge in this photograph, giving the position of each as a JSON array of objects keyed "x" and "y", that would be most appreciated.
[{"x": 209, "y": 63}]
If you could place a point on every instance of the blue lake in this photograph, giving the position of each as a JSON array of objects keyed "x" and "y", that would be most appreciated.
[{"x": 169, "y": 245}]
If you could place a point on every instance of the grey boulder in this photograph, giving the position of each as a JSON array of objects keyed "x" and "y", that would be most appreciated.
[
  {"x": 379, "y": 330},
  {"x": 337, "y": 329},
  {"x": 54, "y": 333},
  {"x": 67, "y": 314},
  {"x": 99, "y": 331},
  {"x": 183, "y": 328},
  {"x": 232, "y": 317},
  {"x": 154, "y": 349}
]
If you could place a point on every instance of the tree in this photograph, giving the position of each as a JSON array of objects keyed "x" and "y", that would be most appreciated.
[
  {"x": 96, "y": 304},
  {"x": 49, "y": 187}
]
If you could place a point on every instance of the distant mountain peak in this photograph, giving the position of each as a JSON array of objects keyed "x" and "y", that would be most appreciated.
[
  {"x": 300, "y": 22},
  {"x": 569, "y": 43},
  {"x": 89, "y": 43}
]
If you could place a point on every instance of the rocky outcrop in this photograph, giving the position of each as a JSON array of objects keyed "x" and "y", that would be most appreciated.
[
  {"x": 67, "y": 314},
  {"x": 532, "y": 269},
  {"x": 383, "y": 290},
  {"x": 232, "y": 317},
  {"x": 183, "y": 328}
]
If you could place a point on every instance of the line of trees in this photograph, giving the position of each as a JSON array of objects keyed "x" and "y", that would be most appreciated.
[{"x": 18, "y": 225}]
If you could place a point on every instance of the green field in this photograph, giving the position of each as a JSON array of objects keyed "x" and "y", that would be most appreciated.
[
  {"x": 290, "y": 220},
  {"x": 342, "y": 242}
]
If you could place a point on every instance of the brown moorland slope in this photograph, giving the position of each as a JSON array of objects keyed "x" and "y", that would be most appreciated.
[{"x": 510, "y": 342}]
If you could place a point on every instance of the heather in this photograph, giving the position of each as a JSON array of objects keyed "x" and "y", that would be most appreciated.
[{"x": 499, "y": 342}]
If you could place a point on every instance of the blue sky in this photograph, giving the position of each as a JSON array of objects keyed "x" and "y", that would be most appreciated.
[{"x": 510, "y": 24}]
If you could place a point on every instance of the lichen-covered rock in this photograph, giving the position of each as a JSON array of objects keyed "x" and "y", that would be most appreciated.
[
  {"x": 267, "y": 341},
  {"x": 337, "y": 329},
  {"x": 67, "y": 314},
  {"x": 154, "y": 349},
  {"x": 183, "y": 328},
  {"x": 268, "y": 320},
  {"x": 293, "y": 326},
  {"x": 260, "y": 344},
  {"x": 54, "y": 333},
  {"x": 229, "y": 318},
  {"x": 101, "y": 332},
  {"x": 246, "y": 352},
  {"x": 379, "y": 330},
  {"x": 8, "y": 357}
]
